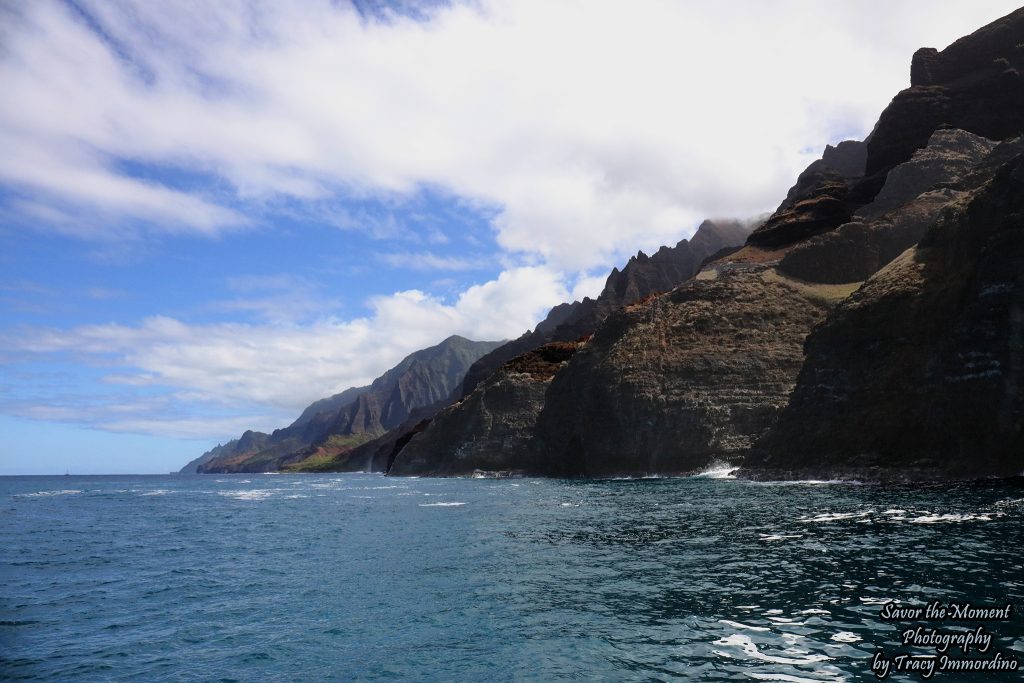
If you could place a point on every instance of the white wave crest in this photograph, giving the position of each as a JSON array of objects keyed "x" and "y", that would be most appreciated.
[
  {"x": 938, "y": 519},
  {"x": 42, "y": 494},
  {"x": 248, "y": 494},
  {"x": 835, "y": 516},
  {"x": 746, "y": 644}
]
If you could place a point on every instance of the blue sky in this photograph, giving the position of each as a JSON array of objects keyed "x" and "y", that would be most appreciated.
[{"x": 214, "y": 213}]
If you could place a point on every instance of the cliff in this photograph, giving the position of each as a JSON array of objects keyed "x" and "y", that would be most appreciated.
[
  {"x": 423, "y": 378},
  {"x": 491, "y": 429},
  {"x": 918, "y": 375},
  {"x": 243, "y": 447},
  {"x": 669, "y": 385},
  {"x": 642, "y": 276},
  {"x": 909, "y": 202}
]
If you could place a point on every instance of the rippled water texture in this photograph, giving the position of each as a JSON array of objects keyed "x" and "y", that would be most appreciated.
[{"x": 342, "y": 577}]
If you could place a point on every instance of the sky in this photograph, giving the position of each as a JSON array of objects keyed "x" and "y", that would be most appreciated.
[{"x": 213, "y": 214}]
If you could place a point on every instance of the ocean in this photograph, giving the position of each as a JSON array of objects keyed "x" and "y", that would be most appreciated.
[{"x": 341, "y": 577}]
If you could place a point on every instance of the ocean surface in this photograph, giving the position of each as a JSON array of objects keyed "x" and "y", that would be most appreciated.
[{"x": 361, "y": 577}]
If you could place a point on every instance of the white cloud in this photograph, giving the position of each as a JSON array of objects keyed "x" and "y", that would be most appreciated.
[
  {"x": 588, "y": 286},
  {"x": 276, "y": 299},
  {"x": 597, "y": 127},
  {"x": 427, "y": 260},
  {"x": 272, "y": 370}
]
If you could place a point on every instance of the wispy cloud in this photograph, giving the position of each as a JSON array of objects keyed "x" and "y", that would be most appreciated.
[
  {"x": 427, "y": 261},
  {"x": 277, "y": 299},
  {"x": 270, "y": 369},
  {"x": 105, "y": 293},
  {"x": 651, "y": 121}
]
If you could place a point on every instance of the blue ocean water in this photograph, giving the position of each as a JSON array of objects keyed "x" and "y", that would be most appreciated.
[{"x": 362, "y": 577}]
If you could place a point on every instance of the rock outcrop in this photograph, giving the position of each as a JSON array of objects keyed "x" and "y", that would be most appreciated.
[
  {"x": 819, "y": 201},
  {"x": 913, "y": 194},
  {"x": 642, "y": 276},
  {"x": 490, "y": 430},
  {"x": 974, "y": 84},
  {"x": 672, "y": 384},
  {"x": 236, "y": 450},
  {"x": 920, "y": 374}
]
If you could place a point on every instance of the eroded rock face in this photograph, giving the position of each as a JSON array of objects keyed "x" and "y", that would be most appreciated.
[
  {"x": 897, "y": 218},
  {"x": 642, "y": 276},
  {"x": 235, "y": 450},
  {"x": 819, "y": 201},
  {"x": 674, "y": 383},
  {"x": 492, "y": 428},
  {"x": 950, "y": 155},
  {"x": 856, "y": 250},
  {"x": 920, "y": 374},
  {"x": 974, "y": 84}
]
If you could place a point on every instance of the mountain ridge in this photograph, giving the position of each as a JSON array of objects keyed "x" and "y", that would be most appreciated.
[{"x": 352, "y": 416}]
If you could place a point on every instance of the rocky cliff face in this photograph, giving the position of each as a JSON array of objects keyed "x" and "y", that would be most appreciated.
[
  {"x": 920, "y": 373},
  {"x": 974, "y": 84},
  {"x": 423, "y": 378},
  {"x": 490, "y": 430},
  {"x": 672, "y": 384},
  {"x": 642, "y": 276},
  {"x": 821, "y": 199},
  {"x": 913, "y": 194},
  {"x": 238, "y": 449}
]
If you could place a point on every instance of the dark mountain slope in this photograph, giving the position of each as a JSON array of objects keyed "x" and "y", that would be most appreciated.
[
  {"x": 920, "y": 374},
  {"x": 422, "y": 378},
  {"x": 974, "y": 85}
]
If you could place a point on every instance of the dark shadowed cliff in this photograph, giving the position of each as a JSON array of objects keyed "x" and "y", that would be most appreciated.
[
  {"x": 492, "y": 428},
  {"x": 920, "y": 374},
  {"x": 671, "y": 384}
]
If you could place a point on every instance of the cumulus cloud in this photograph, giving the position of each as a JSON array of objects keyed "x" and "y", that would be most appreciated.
[
  {"x": 594, "y": 126},
  {"x": 277, "y": 368}
]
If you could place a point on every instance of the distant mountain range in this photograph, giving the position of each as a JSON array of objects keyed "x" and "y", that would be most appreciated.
[{"x": 338, "y": 423}]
